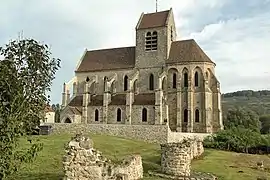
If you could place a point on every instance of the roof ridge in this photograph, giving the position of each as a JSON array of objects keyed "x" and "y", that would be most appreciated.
[
  {"x": 158, "y": 12},
  {"x": 115, "y": 48}
]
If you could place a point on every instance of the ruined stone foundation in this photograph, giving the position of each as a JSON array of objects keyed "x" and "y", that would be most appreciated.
[
  {"x": 83, "y": 162},
  {"x": 175, "y": 159}
]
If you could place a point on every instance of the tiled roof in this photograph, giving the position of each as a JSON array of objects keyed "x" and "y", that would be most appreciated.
[
  {"x": 108, "y": 59},
  {"x": 76, "y": 101},
  {"x": 76, "y": 110},
  {"x": 119, "y": 99},
  {"x": 152, "y": 20},
  {"x": 96, "y": 100},
  {"x": 144, "y": 99},
  {"x": 187, "y": 51}
]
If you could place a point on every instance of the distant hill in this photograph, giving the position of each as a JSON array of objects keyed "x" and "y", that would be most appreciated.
[{"x": 258, "y": 101}]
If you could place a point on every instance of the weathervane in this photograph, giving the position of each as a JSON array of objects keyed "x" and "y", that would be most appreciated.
[{"x": 156, "y": 5}]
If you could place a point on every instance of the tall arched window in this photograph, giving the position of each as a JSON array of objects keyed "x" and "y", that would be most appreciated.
[
  {"x": 144, "y": 115},
  {"x": 151, "y": 82},
  {"x": 185, "y": 115},
  {"x": 119, "y": 115},
  {"x": 174, "y": 80},
  {"x": 125, "y": 83},
  {"x": 196, "y": 79},
  {"x": 104, "y": 82},
  {"x": 96, "y": 115},
  {"x": 185, "y": 79},
  {"x": 197, "y": 115},
  {"x": 135, "y": 86}
]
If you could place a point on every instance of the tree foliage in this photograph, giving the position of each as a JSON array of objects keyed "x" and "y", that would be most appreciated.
[
  {"x": 239, "y": 140},
  {"x": 265, "y": 124},
  {"x": 26, "y": 72},
  {"x": 244, "y": 118}
]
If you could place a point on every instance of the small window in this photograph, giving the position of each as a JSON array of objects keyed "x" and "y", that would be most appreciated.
[
  {"x": 151, "y": 82},
  {"x": 185, "y": 115},
  {"x": 87, "y": 79},
  {"x": 144, "y": 115},
  {"x": 185, "y": 79},
  {"x": 96, "y": 115},
  {"x": 119, "y": 115},
  {"x": 196, "y": 79},
  {"x": 174, "y": 81},
  {"x": 197, "y": 115},
  {"x": 125, "y": 83}
]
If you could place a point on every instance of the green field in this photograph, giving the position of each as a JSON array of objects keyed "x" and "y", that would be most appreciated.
[{"x": 226, "y": 165}]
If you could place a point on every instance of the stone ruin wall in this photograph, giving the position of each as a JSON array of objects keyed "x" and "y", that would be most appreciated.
[
  {"x": 83, "y": 162},
  {"x": 176, "y": 157}
]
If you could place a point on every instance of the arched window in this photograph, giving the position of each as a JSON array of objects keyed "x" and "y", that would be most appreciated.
[
  {"x": 197, "y": 115},
  {"x": 119, "y": 115},
  {"x": 105, "y": 81},
  {"x": 125, "y": 83},
  {"x": 135, "y": 86},
  {"x": 96, "y": 115},
  {"x": 185, "y": 115},
  {"x": 185, "y": 79},
  {"x": 87, "y": 79},
  {"x": 144, "y": 115},
  {"x": 151, "y": 41},
  {"x": 196, "y": 79},
  {"x": 174, "y": 80},
  {"x": 151, "y": 82},
  {"x": 67, "y": 120}
]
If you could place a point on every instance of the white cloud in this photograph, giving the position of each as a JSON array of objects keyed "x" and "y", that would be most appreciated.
[{"x": 235, "y": 34}]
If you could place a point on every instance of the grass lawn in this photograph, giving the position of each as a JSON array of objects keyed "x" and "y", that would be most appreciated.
[{"x": 226, "y": 165}]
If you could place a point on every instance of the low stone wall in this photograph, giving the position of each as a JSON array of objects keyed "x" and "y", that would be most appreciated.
[
  {"x": 148, "y": 133},
  {"x": 83, "y": 162}
]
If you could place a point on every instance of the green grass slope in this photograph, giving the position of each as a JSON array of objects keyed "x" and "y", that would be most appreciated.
[{"x": 226, "y": 165}]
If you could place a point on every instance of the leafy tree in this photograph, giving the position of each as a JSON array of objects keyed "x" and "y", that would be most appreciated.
[
  {"x": 57, "y": 110},
  {"x": 237, "y": 139},
  {"x": 265, "y": 124},
  {"x": 26, "y": 75},
  {"x": 240, "y": 117}
]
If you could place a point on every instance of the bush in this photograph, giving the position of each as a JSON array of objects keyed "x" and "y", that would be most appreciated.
[{"x": 239, "y": 140}]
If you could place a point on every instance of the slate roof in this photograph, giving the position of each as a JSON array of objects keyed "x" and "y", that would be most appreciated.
[{"x": 153, "y": 20}]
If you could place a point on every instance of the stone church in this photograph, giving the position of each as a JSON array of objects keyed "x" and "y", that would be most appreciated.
[{"x": 158, "y": 81}]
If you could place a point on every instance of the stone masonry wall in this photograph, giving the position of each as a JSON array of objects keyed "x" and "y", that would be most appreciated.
[
  {"x": 148, "y": 133},
  {"x": 83, "y": 162},
  {"x": 176, "y": 157}
]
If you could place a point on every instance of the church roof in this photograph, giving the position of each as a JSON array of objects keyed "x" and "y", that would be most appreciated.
[
  {"x": 118, "y": 99},
  {"x": 187, "y": 51},
  {"x": 122, "y": 58},
  {"x": 77, "y": 101},
  {"x": 152, "y": 20},
  {"x": 107, "y": 59},
  {"x": 144, "y": 99}
]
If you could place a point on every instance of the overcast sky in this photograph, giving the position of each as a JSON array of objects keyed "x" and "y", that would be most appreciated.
[{"x": 234, "y": 33}]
